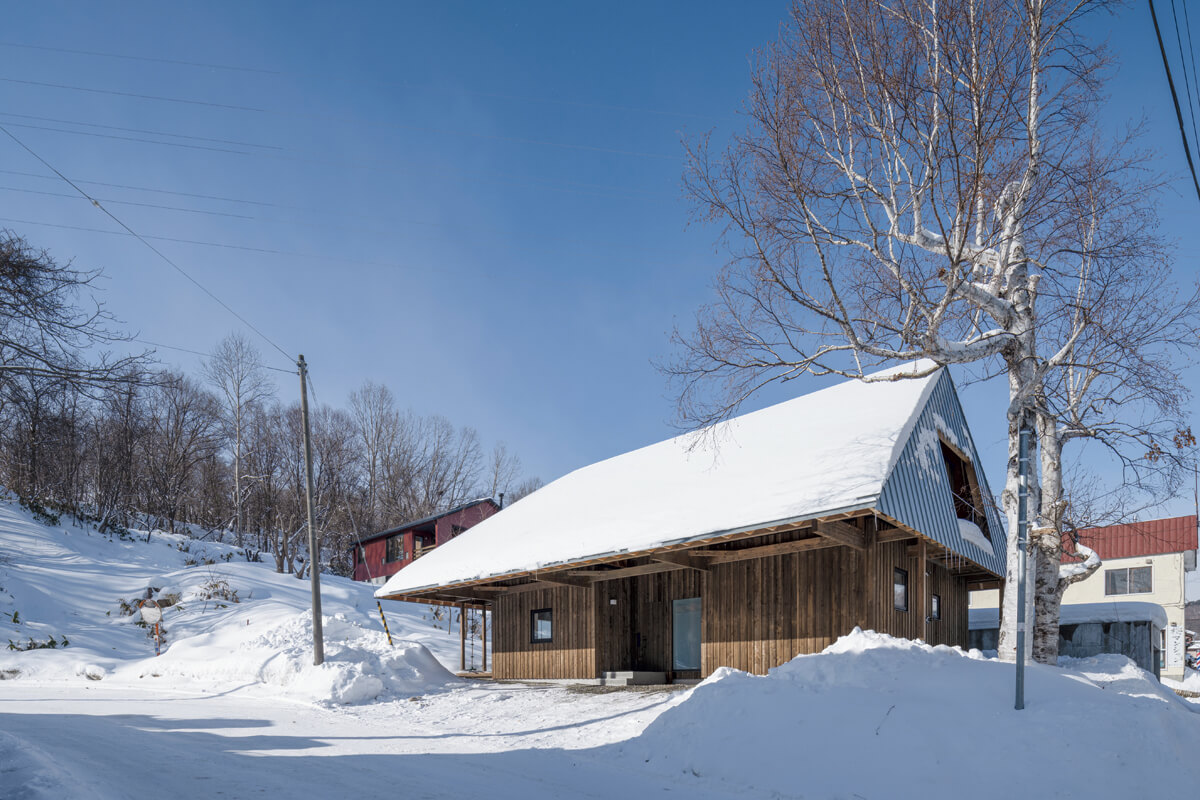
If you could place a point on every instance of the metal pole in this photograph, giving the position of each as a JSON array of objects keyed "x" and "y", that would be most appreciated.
[
  {"x": 1022, "y": 556},
  {"x": 314, "y": 551}
]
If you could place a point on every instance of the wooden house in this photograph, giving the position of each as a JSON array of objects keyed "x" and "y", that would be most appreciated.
[
  {"x": 857, "y": 505},
  {"x": 381, "y": 555}
]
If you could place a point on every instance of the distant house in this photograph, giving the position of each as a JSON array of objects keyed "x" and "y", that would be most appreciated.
[
  {"x": 1130, "y": 629},
  {"x": 857, "y": 505},
  {"x": 381, "y": 555},
  {"x": 1143, "y": 561}
]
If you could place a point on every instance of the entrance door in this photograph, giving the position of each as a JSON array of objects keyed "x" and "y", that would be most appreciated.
[{"x": 685, "y": 634}]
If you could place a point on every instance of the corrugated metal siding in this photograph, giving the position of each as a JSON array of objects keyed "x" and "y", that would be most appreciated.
[
  {"x": 917, "y": 492},
  {"x": 1150, "y": 538}
]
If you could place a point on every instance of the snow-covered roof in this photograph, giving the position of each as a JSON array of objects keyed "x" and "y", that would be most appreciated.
[
  {"x": 1079, "y": 613},
  {"x": 815, "y": 455}
]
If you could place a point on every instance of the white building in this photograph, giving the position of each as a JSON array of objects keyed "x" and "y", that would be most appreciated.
[{"x": 1143, "y": 561}]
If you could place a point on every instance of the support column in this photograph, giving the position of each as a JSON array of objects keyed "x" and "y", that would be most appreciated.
[
  {"x": 462, "y": 637},
  {"x": 923, "y": 586}
]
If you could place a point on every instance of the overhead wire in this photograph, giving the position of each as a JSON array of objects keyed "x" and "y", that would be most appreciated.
[
  {"x": 141, "y": 130},
  {"x": 149, "y": 59},
  {"x": 1187, "y": 151},
  {"x": 144, "y": 241},
  {"x": 1187, "y": 83},
  {"x": 203, "y": 355}
]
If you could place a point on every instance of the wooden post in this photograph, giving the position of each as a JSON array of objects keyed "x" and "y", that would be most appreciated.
[
  {"x": 867, "y": 616},
  {"x": 922, "y": 595},
  {"x": 462, "y": 637},
  {"x": 483, "y": 637}
]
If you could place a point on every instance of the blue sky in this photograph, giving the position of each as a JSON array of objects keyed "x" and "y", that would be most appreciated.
[{"x": 476, "y": 204}]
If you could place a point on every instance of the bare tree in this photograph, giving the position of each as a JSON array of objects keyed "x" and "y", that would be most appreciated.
[
  {"x": 929, "y": 180},
  {"x": 235, "y": 370},
  {"x": 44, "y": 332},
  {"x": 502, "y": 472},
  {"x": 378, "y": 427}
]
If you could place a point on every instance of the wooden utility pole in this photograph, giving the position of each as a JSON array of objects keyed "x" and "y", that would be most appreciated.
[
  {"x": 462, "y": 637},
  {"x": 314, "y": 551}
]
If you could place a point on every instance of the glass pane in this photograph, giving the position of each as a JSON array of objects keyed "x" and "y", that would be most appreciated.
[
  {"x": 542, "y": 626},
  {"x": 686, "y": 634},
  {"x": 1140, "y": 580},
  {"x": 1116, "y": 581},
  {"x": 900, "y": 590},
  {"x": 936, "y": 612}
]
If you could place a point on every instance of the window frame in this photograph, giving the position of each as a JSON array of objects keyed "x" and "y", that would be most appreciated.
[
  {"x": 1128, "y": 580},
  {"x": 533, "y": 627},
  {"x": 935, "y": 606},
  {"x": 897, "y": 573},
  {"x": 397, "y": 551}
]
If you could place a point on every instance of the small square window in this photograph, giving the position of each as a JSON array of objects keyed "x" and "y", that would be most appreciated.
[
  {"x": 541, "y": 625},
  {"x": 900, "y": 589},
  {"x": 935, "y": 610}
]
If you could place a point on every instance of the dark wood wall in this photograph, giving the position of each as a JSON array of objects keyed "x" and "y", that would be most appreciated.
[
  {"x": 756, "y": 614},
  {"x": 570, "y": 654},
  {"x": 636, "y": 631},
  {"x": 760, "y": 613},
  {"x": 950, "y": 629}
]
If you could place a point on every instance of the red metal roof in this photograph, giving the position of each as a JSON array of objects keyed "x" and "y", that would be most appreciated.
[{"x": 1149, "y": 538}]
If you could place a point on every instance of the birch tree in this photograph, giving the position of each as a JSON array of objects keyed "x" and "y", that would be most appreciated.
[
  {"x": 235, "y": 370},
  {"x": 929, "y": 179}
]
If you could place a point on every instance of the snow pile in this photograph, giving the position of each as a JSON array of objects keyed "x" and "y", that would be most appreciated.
[
  {"x": 875, "y": 716},
  {"x": 972, "y": 533},
  {"x": 359, "y": 666},
  {"x": 1190, "y": 682},
  {"x": 227, "y": 623}
]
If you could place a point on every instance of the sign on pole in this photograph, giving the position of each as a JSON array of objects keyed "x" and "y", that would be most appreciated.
[
  {"x": 152, "y": 615},
  {"x": 1175, "y": 647}
]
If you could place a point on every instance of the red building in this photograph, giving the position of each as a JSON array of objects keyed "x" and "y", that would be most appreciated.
[{"x": 381, "y": 555}]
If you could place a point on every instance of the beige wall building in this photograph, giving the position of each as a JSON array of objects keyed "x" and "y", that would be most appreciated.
[{"x": 1143, "y": 561}]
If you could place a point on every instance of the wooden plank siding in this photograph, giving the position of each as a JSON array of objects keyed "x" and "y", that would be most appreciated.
[
  {"x": 570, "y": 654},
  {"x": 756, "y": 613}
]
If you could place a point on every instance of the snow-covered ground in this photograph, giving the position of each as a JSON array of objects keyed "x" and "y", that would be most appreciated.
[{"x": 234, "y": 709}]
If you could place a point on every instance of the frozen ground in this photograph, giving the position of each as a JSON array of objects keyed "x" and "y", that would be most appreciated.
[{"x": 234, "y": 709}]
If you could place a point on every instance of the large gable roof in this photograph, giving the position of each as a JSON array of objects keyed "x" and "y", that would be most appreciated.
[{"x": 824, "y": 453}]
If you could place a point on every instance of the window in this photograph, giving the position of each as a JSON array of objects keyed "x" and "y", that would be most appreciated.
[
  {"x": 360, "y": 555},
  {"x": 935, "y": 610},
  {"x": 395, "y": 548},
  {"x": 900, "y": 589},
  {"x": 455, "y": 530},
  {"x": 964, "y": 489},
  {"x": 541, "y": 625},
  {"x": 1130, "y": 580}
]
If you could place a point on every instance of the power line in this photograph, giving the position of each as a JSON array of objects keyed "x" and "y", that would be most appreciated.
[
  {"x": 152, "y": 248},
  {"x": 96, "y": 135},
  {"x": 204, "y": 355},
  {"x": 160, "y": 98},
  {"x": 221, "y": 245},
  {"x": 1187, "y": 84},
  {"x": 130, "y": 203},
  {"x": 421, "y": 128},
  {"x": 1187, "y": 151},
  {"x": 138, "y": 58},
  {"x": 140, "y": 130}
]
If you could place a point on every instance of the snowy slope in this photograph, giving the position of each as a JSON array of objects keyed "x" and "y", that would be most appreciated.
[{"x": 65, "y": 581}]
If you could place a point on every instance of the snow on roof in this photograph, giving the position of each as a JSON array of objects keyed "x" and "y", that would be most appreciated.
[
  {"x": 1079, "y": 613},
  {"x": 814, "y": 455}
]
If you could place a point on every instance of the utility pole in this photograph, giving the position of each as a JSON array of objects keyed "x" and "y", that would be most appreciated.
[
  {"x": 1022, "y": 557},
  {"x": 314, "y": 551}
]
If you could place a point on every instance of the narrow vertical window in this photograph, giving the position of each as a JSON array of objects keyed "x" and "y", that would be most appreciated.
[
  {"x": 900, "y": 589},
  {"x": 541, "y": 625},
  {"x": 935, "y": 610}
]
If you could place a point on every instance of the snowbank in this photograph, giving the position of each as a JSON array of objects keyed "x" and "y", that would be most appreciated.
[{"x": 874, "y": 716}]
